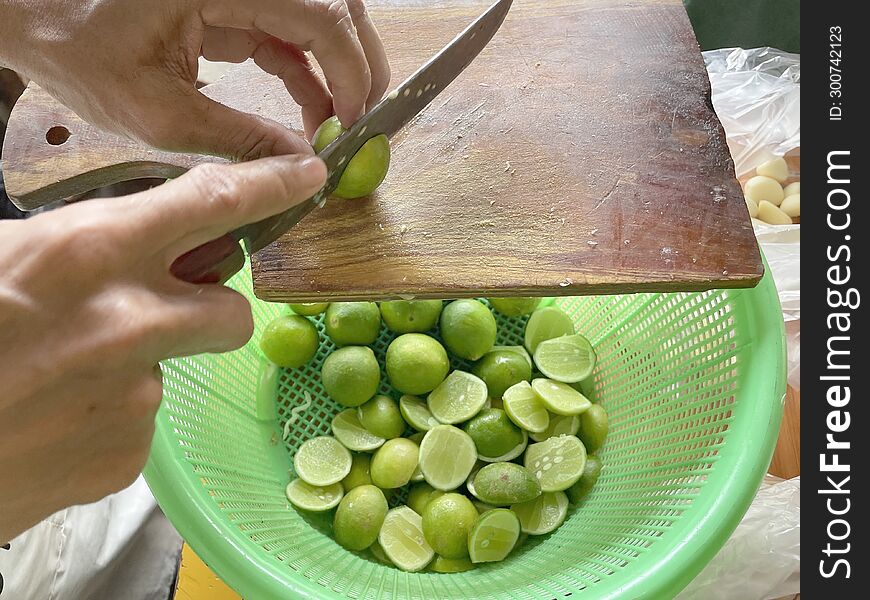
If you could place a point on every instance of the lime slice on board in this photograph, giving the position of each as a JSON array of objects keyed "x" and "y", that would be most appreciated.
[
  {"x": 543, "y": 514},
  {"x": 525, "y": 408},
  {"x": 416, "y": 413},
  {"x": 559, "y": 425},
  {"x": 556, "y": 463},
  {"x": 545, "y": 324},
  {"x": 560, "y": 398},
  {"x": 322, "y": 461},
  {"x": 458, "y": 398},
  {"x": 569, "y": 358},
  {"x": 493, "y": 536},
  {"x": 349, "y": 431},
  {"x": 447, "y": 455},
  {"x": 402, "y": 540},
  {"x": 314, "y": 498}
]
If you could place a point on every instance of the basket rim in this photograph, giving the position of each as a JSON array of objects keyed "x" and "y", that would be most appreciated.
[{"x": 682, "y": 552}]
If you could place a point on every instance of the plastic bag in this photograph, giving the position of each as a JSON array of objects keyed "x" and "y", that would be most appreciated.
[
  {"x": 762, "y": 560},
  {"x": 756, "y": 94}
]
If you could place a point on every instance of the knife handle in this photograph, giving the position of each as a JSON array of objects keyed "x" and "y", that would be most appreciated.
[{"x": 213, "y": 262}]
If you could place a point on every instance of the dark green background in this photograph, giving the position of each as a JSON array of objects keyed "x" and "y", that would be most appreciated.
[{"x": 746, "y": 23}]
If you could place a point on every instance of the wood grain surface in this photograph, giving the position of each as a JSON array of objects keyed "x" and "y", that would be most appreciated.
[{"x": 578, "y": 154}]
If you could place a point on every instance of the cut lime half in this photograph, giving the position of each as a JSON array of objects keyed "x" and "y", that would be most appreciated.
[
  {"x": 569, "y": 358},
  {"x": 416, "y": 413},
  {"x": 401, "y": 539},
  {"x": 458, "y": 398},
  {"x": 559, "y": 425},
  {"x": 349, "y": 431},
  {"x": 314, "y": 498},
  {"x": 545, "y": 324},
  {"x": 557, "y": 463},
  {"x": 560, "y": 398},
  {"x": 525, "y": 408},
  {"x": 493, "y": 536},
  {"x": 447, "y": 455},
  {"x": 543, "y": 514},
  {"x": 322, "y": 461}
]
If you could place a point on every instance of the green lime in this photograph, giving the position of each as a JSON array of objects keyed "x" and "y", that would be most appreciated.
[
  {"x": 545, "y": 324},
  {"x": 349, "y": 431},
  {"x": 416, "y": 413},
  {"x": 469, "y": 481},
  {"x": 290, "y": 341},
  {"x": 360, "y": 472},
  {"x": 510, "y": 454},
  {"x": 468, "y": 328},
  {"x": 558, "y": 425},
  {"x": 359, "y": 517},
  {"x": 416, "y": 363},
  {"x": 543, "y": 514},
  {"x": 482, "y": 507},
  {"x": 309, "y": 309},
  {"x": 569, "y": 358},
  {"x": 420, "y": 495},
  {"x": 351, "y": 375},
  {"x": 505, "y": 483},
  {"x": 451, "y": 565},
  {"x": 557, "y": 463},
  {"x": 322, "y": 461},
  {"x": 382, "y": 417},
  {"x": 493, "y": 433},
  {"x": 417, "y": 437},
  {"x": 500, "y": 369},
  {"x": 593, "y": 427},
  {"x": 379, "y": 554},
  {"x": 493, "y": 536},
  {"x": 560, "y": 398},
  {"x": 402, "y": 539},
  {"x": 514, "y": 307},
  {"x": 518, "y": 349},
  {"x": 366, "y": 169},
  {"x": 394, "y": 463},
  {"x": 353, "y": 323},
  {"x": 458, "y": 398},
  {"x": 411, "y": 316},
  {"x": 591, "y": 471},
  {"x": 314, "y": 498},
  {"x": 525, "y": 408},
  {"x": 447, "y": 521},
  {"x": 520, "y": 540},
  {"x": 447, "y": 455}
]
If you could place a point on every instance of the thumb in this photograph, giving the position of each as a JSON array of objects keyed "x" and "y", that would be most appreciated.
[{"x": 204, "y": 126}]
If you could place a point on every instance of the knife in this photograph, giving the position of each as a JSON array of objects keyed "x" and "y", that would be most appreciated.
[{"x": 218, "y": 260}]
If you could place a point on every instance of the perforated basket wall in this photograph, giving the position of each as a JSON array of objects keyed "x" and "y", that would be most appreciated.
[{"x": 693, "y": 383}]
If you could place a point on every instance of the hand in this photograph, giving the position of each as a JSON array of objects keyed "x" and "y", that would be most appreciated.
[
  {"x": 87, "y": 310},
  {"x": 130, "y": 66}
]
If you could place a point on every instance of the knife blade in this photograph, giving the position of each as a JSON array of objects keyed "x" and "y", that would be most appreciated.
[{"x": 218, "y": 260}]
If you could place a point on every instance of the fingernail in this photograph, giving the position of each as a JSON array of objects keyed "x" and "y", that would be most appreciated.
[{"x": 312, "y": 172}]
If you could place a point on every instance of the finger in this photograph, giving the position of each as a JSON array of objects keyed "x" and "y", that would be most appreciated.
[
  {"x": 373, "y": 48},
  {"x": 323, "y": 26},
  {"x": 225, "y": 44},
  {"x": 211, "y": 200},
  {"x": 292, "y": 66}
]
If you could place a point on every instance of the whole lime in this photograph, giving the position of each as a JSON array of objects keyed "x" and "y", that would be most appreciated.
[
  {"x": 309, "y": 309},
  {"x": 468, "y": 328},
  {"x": 416, "y": 363},
  {"x": 382, "y": 417},
  {"x": 359, "y": 517},
  {"x": 514, "y": 307},
  {"x": 351, "y": 375},
  {"x": 353, "y": 323},
  {"x": 411, "y": 316},
  {"x": 447, "y": 521},
  {"x": 493, "y": 432},
  {"x": 290, "y": 341},
  {"x": 501, "y": 369},
  {"x": 366, "y": 169}
]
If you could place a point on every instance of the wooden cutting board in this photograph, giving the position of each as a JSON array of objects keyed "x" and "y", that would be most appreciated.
[{"x": 579, "y": 154}]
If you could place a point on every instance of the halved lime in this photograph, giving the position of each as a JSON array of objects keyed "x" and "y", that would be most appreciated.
[
  {"x": 402, "y": 539},
  {"x": 447, "y": 455},
  {"x": 593, "y": 428},
  {"x": 322, "y": 461},
  {"x": 309, "y": 309},
  {"x": 500, "y": 369},
  {"x": 591, "y": 471},
  {"x": 525, "y": 408},
  {"x": 546, "y": 323},
  {"x": 560, "y": 398},
  {"x": 510, "y": 454},
  {"x": 447, "y": 523},
  {"x": 543, "y": 514},
  {"x": 493, "y": 433},
  {"x": 569, "y": 358},
  {"x": 493, "y": 536},
  {"x": 458, "y": 398},
  {"x": 559, "y": 425},
  {"x": 382, "y": 417},
  {"x": 518, "y": 350},
  {"x": 416, "y": 413},
  {"x": 359, "y": 517},
  {"x": 504, "y": 483},
  {"x": 314, "y": 498},
  {"x": 451, "y": 565},
  {"x": 468, "y": 328},
  {"x": 394, "y": 463},
  {"x": 481, "y": 506},
  {"x": 557, "y": 463},
  {"x": 379, "y": 554},
  {"x": 417, "y": 438},
  {"x": 514, "y": 307},
  {"x": 349, "y": 431}
]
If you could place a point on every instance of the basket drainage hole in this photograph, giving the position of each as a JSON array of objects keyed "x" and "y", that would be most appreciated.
[{"x": 57, "y": 135}]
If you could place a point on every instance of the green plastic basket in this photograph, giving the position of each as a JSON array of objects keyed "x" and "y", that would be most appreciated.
[{"x": 693, "y": 384}]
